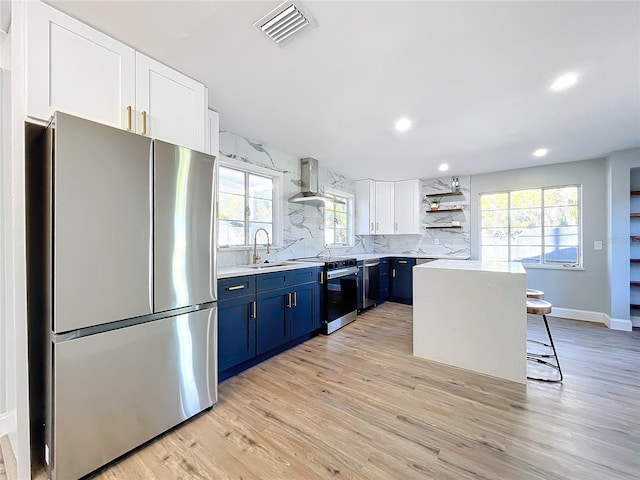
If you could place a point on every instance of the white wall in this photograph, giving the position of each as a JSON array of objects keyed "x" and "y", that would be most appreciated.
[
  {"x": 582, "y": 290},
  {"x": 618, "y": 171}
]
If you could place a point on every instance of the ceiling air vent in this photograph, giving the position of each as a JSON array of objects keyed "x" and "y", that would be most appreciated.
[{"x": 285, "y": 22}]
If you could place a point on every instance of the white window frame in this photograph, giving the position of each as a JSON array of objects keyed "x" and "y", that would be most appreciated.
[
  {"x": 350, "y": 198},
  {"x": 277, "y": 201},
  {"x": 551, "y": 266}
]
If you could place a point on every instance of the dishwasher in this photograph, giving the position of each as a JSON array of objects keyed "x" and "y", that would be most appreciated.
[{"x": 370, "y": 283}]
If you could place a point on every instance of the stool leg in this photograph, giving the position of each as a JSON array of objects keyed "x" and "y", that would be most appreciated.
[
  {"x": 555, "y": 354},
  {"x": 537, "y": 357}
]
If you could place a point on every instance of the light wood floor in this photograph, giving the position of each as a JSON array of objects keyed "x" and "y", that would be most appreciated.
[{"x": 357, "y": 405}]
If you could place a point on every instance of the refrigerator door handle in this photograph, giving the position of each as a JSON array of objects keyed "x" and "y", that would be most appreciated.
[{"x": 151, "y": 174}]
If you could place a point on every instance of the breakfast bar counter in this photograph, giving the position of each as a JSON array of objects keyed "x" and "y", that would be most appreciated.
[{"x": 472, "y": 315}]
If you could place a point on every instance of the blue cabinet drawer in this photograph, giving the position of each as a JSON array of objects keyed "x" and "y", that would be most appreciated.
[
  {"x": 305, "y": 275},
  {"x": 235, "y": 287},
  {"x": 271, "y": 281}
]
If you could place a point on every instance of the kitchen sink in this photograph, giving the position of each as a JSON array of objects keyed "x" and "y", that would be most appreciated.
[{"x": 269, "y": 265}]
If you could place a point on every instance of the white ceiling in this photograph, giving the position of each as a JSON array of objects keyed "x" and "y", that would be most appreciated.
[{"x": 472, "y": 76}]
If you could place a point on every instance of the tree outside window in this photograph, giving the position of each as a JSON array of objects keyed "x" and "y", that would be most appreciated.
[
  {"x": 534, "y": 226},
  {"x": 245, "y": 203},
  {"x": 336, "y": 227}
]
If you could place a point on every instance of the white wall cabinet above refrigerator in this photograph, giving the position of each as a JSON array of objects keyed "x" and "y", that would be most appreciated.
[
  {"x": 387, "y": 208},
  {"x": 74, "y": 68}
]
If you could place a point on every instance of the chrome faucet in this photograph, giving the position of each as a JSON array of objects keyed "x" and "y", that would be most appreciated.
[{"x": 256, "y": 257}]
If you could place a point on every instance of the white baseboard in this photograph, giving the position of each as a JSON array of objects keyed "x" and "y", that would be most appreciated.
[
  {"x": 8, "y": 423},
  {"x": 589, "y": 316}
]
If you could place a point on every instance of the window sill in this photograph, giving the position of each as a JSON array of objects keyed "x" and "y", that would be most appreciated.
[
  {"x": 245, "y": 248},
  {"x": 554, "y": 267},
  {"x": 338, "y": 246}
]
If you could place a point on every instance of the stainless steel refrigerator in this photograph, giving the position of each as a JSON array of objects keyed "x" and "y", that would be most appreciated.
[{"x": 122, "y": 267}]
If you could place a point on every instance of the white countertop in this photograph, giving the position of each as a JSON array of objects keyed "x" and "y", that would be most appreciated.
[
  {"x": 476, "y": 265},
  {"x": 241, "y": 270},
  {"x": 370, "y": 256}
]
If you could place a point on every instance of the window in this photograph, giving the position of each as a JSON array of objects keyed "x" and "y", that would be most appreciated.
[
  {"x": 246, "y": 197},
  {"x": 338, "y": 228},
  {"x": 539, "y": 226}
]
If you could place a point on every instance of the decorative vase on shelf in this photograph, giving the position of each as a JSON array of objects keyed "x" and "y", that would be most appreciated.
[
  {"x": 434, "y": 205},
  {"x": 455, "y": 184}
]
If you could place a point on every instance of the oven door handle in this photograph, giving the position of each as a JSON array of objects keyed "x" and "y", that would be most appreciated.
[
  {"x": 342, "y": 272},
  {"x": 374, "y": 264}
]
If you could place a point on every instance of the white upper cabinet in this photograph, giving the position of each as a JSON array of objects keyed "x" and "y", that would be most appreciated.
[
  {"x": 170, "y": 106},
  {"x": 386, "y": 208},
  {"x": 73, "y": 68},
  {"x": 407, "y": 207},
  {"x": 213, "y": 129}
]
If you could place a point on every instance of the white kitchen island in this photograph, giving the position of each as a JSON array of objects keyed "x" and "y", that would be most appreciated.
[{"x": 473, "y": 315}]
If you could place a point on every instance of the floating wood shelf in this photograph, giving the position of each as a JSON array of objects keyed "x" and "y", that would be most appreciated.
[
  {"x": 635, "y": 214},
  {"x": 634, "y": 282},
  {"x": 449, "y": 226},
  {"x": 449, "y": 210},
  {"x": 445, "y": 194},
  {"x": 634, "y": 260},
  {"x": 635, "y": 305},
  {"x": 635, "y": 192},
  {"x": 635, "y": 238}
]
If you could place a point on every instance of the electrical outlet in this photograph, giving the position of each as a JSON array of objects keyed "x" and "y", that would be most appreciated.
[
  {"x": 597, "y": 245},
  {"x": 436, "y": 241}
]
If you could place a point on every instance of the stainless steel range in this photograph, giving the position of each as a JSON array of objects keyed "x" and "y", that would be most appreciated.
[{"x": 340, "y": 292}]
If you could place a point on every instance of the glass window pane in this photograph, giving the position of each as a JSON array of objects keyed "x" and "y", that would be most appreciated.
[
  {"x": 526, "y": 253},
  {"x": 530, "y": 236},
  {"x": 260, "y": 187},
  {"x": 262, "y": 238},
  {"x": 495, "y": 219},
  {"x": 231, "y": 181},
  {"x": 260, "y": 210},
  {"x": 567, "y": 230},
  {"x": 231, "y": 207},
  {"x": 561, "y": 196},
  {"x": 525, "y": 217},
  {"x": 494, "y": 201},
  {"x": 561, "y": 254},
  {"x": 328, "y": 236},
  {"x": 560, "y": 216},
  {"x": 526, "y": 198},
  {"x": 341, "y": 207},
  {"x": 341, "y": 236},
  {"x": 495, "y": 236},
  {"x": 230, "y": 233},
  {"x": 329, "y": 218},
  {"x": 341, "y": 220},
  {"x": 499, "y": 253}
]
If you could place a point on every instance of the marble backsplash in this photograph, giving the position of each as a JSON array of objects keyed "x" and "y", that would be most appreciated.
[{"x": 303, "y": 225}]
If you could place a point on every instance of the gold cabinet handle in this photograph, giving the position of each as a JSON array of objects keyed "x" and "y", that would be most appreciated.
[
  {"x": 289, "y": 300},
  {"x": 129, "y": 118},
  {"x": 396, "y": 227},
  {"x": 377, "y": 226},
  {"x": 253, "y": 310},
  {"x": 393, "y": 272},
  {"x": 372, "y": 229},
  {"x": 295, "y": 299},
  {"x": 321, "y": 278},
  {"x": 235, "y": 287},
  {"x": 144, "y": 122}
]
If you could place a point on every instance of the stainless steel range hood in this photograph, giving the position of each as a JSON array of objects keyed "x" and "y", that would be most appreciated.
[{"x": 309, "y": 192}]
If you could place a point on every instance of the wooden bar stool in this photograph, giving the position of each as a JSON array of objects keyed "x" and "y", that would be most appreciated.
[
  {"x": 531, "y": 293},
  {"x": 536, "y": 306}
]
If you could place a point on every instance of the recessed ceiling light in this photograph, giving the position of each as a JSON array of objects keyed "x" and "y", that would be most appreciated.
[
  {"x": 564, "y": 81},
  {"x": 444, "y": 167},
  {"x": 541, "y": 152},
  {"x": 403, "y": 124}
]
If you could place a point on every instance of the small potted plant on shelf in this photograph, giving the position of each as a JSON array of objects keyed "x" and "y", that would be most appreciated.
[{"x": 435, "y": 204}]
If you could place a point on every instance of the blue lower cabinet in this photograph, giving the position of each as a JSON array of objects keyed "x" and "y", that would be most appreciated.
[
  {"x": 273, "y": 319},
  {"x": 384, "y": 280},
  {"x": 236, "y": 331},
  {"x": 401, "y": 282},
  {"x": 359, "y": 301},
  {"x": 304, "y": 310}
]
